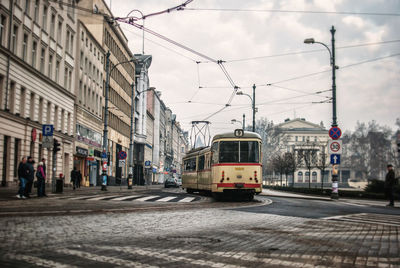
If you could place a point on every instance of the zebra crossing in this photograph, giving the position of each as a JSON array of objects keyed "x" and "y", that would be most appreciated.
[
  {"x": 134, "y": 197},
  {"x": 368, "y": 218}
]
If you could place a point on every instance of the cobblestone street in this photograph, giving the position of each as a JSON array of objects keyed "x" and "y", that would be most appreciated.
[{"x": 206, "y": 237}]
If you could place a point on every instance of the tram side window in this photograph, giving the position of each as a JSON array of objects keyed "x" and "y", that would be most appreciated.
[
  {"x": 190, "y": 164},
  {"x": 229, "y": 152},
  {"x": 201, "y": 163},
  {"x": 249, "y": 152},
  {"x": 214, "y": 153}
]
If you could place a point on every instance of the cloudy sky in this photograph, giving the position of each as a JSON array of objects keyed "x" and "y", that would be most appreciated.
[{"x": 261, "y": 42}]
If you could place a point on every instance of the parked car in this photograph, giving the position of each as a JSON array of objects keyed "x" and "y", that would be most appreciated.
[
  {"x": 179, "y": 182},
  {"x": 170, "y": 182}
]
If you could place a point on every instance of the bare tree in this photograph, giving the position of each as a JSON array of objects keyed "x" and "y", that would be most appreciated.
[
  {"x": 322, "y": 164},
  {"x": 278, "y": 165},
  {"x": 290, "y": 165},
  {"x": 308, "y": 153}
]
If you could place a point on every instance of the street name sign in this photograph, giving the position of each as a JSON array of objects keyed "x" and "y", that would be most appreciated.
[
  {"x": 335, "y": 159},
  {"x": 335, "y": 147}
]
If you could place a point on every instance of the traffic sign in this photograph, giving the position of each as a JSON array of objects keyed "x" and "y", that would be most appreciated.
[
  {"x": 47, "y": 141},
  {"x": 122, "y": 155},
  {"x": 121, "y": 163},
  {"x": 335, "y": 133},
  {"x": 47, "y": 130},
  {"x": 335, "y": 146},
  {"x": 335, "y": 159}
]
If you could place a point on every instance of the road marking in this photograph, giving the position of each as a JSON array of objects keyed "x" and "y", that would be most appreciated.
[
  {"x": 102, "y": 197},
  {"x": 147, "y": 198},
  {"x": 124, "y": 198},
  {"x": 79, "y": 197},
  {"x": 187, "y": 199},
  {"x": 149, "y": 252},
  {"x": 37, "y": 261},
  {"x": 369, "y": 218},
  {"x": 112, "y": 260},
  {"x": 166, "y": 199}
]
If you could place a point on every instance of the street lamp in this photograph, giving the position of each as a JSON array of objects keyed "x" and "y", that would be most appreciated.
[
  {"x": 335, "y": 194},
  {"x": 253, "y": 105},
  {"x": 105, "y": 135},
  {"x": 237, "y": 121}
]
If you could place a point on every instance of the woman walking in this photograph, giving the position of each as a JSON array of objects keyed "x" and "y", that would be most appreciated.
[{"x": 41, "y": 180}]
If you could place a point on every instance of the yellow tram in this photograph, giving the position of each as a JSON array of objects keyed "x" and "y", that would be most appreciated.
[{"x": 231, "y": 166}]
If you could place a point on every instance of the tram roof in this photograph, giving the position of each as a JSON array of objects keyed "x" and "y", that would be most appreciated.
[{"x": 246, "y": 134}]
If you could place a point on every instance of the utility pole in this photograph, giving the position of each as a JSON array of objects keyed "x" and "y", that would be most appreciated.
[
  {"x": 130, "y": 176},
  {"x": 105, "y": 133},
  {"x": 334, "y": 118},
  {"x": 244, "y": 121},
  {"x": 254, "y": 108}
]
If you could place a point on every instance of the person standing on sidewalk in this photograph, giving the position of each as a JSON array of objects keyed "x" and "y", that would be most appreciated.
[
  {"x": 74, "y": 177},
  {"x": 41, "y": 178},
  {"x": 22, "y": 176},
  {"x": 45, "y": 176},
  {"x": 30, "y": 176},
  {"x": 390, "y": 182},
  {"x": 78, "y": 178}
]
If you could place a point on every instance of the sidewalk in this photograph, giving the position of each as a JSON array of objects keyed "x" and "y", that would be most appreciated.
[
  {"x": 10, "y": 192},
  {"x": 357, "y": 202}
]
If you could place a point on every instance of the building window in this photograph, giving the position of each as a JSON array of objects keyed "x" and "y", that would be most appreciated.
[
  {"x": 314, "y": 176},
  {"x": 62, "y": 127},
  {"x": 40, "y": 115},
  {"x": 300, "y": 176},
  {"x": 2, "y": 27},
  {"x": 84, "y": 95},
  {"x": 34, "y": 53},
  {"x": 44, "y": 24},
  {"x": 52, "y": 25},
  {"x": 303, "y": 138},
  {"x": 307, "y": 176},
  {"x": 67, "y": 41},
  {"x": 42, "y": 55},
  {"x": 27, "y": 6},
  {"x": 59, "y": 32},
  {"x": 57, "y": 70},
  {"x": 55, "y": 123},
  {"x": 71, "y": 47},
  {"x": 22, "y": 101},
  {"x": 68, "y": 123},
  {"x": 82, "y": 36},
  {"x": 66, "y": 78},
  {"x": 11, "y": 96},
  {"x": 50, "y": 71},
  {"x": 297, "y": 138},
  {"x": 32, "y": 107},
  {"x": 69, "y": 79},
  {"x": 36, "y": 14},
  {"x": 80, "y": 92},
  {"x": 14, "y": 38},
  {"x": 81, "y": 60},
  {"x": 24, "y": 46}
]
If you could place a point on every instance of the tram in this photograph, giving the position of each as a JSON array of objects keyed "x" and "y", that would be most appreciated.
[{"x": 232, "y": 166}]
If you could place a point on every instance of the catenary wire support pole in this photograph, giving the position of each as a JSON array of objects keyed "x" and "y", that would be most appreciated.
[
  {"x": 244, "y": 121},
  {"x": 335, "y": 177},
  {"x": 254, "y": 108},
  {"x": 130, "y": 176},
  {"x": 105, "y": 131}
]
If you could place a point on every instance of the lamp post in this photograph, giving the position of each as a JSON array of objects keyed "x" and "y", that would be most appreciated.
[
  {"x": 237, "y": 121},
  {"x": 335, "y": 194},
  {"x": 105, "y": 132},
  {"x": 253, "y": 104}
]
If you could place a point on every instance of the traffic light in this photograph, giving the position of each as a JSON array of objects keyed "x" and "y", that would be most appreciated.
[{"x": 56, "y": 146}]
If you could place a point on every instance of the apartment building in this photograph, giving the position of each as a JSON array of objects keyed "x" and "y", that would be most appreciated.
[
  {"x": 122, "y": 75},
  {"x": 88, "y": 106},
  {"x": 37, "y": 64}
]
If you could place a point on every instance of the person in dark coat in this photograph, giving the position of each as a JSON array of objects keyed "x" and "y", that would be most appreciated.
[
  {"x": 78, "y": 178},
  {"x": 22, "y": 176},
  {"x": 74, "y": 177},
  {"x": 390, "y": 182},
  {"x": 30, "y": 176}
]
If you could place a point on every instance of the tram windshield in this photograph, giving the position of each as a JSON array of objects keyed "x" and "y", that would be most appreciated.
[{"x": 239, "y": 152}]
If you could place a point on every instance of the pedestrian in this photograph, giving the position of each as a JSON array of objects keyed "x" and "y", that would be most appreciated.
[
  {"x": 74, "y": 177},
  {"x": 30, "y": 176},
  {"x": 45, "y": 176},
  {"x": 390, "y": 182},
  {"x": 78, "y": 179},
  {"x": 41, "y": 179},
  {"x": 22, "y": 176}
]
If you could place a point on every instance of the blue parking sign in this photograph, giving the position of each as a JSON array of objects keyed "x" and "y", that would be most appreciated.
[{"x": 47, "y": 130}]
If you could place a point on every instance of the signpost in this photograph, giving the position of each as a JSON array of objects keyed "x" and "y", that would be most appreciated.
[
  {"x": 335, "y": 147},
  {"x": 335, "y": 159},
  {"x": 122, "y": 155},
  {"x": 335, "y": 133}
]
